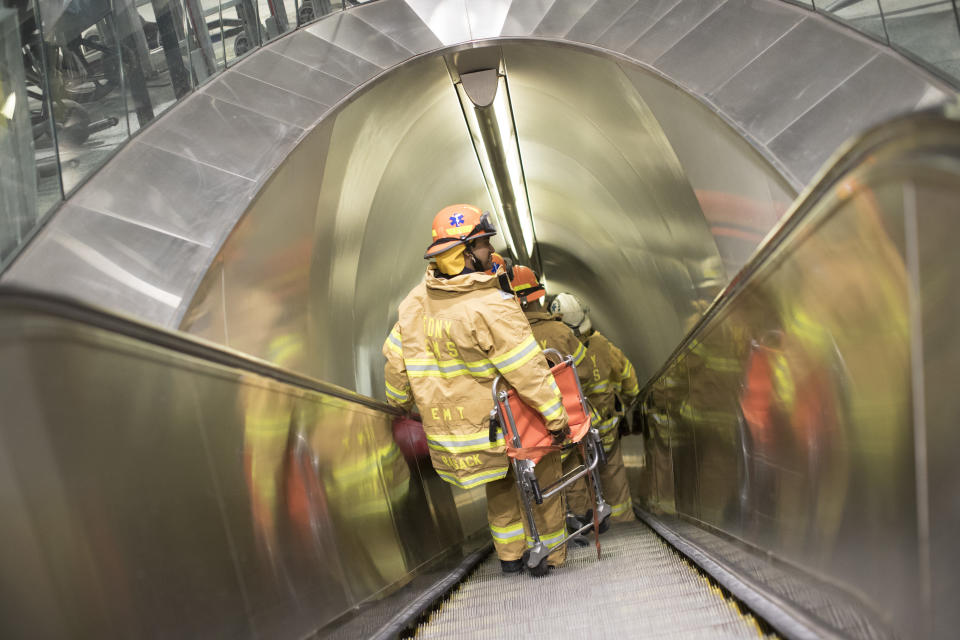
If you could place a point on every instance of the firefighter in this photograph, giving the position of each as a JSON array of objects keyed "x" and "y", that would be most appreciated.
[
  {"x": 457, "y": 330},
  {"x": 613, "y": 382}
]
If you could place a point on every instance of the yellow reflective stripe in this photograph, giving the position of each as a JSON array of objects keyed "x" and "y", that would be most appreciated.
[
  {"x": 394, "y": 341},
  {"x": 599, "y": 387},
  {"x": 395, "y": 393},
  {"x": 548, "y": 539},
  {"x": 620, "y": 509},
  {"x": 552, "y": 410},
  {"x": 521, "y": 287},
  {"x": 473, "y": 443},
  {"x": 626, "y": 370},
  {"x": 423, "y": 367},
  {"x": 607, "y": 424},
  {"x": 579, "y": 355},
  {"x": 632, "y": 391},
  {"x": 518, "y": 356},
  {"x": 509, "y": 533},
  {"x": 472, "y": 480}
]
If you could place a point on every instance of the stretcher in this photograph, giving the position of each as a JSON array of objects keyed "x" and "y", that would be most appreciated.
[{"x": 528, "y": 441}]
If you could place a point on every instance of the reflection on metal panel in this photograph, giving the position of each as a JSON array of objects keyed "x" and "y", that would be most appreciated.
[
  {"x": 616, "y": 219},
  {"x": 151, "y": 492},
  {"x": 802, "y": 416},
  {"x": 318, "y": 292}
]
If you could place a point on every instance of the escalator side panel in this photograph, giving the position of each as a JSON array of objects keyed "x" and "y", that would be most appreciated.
[{"x": 168, "y": 495}]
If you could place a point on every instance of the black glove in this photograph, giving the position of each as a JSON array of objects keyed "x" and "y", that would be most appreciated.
[{"x": 560, "y": 436}]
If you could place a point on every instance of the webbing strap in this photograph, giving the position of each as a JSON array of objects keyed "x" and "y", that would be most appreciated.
[{"x": 528, "y": 453}]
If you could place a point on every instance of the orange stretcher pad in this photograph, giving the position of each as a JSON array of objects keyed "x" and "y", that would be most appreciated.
[{"x": 535, "y": 440}]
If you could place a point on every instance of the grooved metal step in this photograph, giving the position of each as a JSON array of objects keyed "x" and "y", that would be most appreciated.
[{"x": 641, "y": 587}]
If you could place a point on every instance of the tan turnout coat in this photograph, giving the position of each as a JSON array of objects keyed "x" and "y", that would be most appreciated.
[
  {"x": 452, "y": 338},
  {"x": 610, "y": 375}
]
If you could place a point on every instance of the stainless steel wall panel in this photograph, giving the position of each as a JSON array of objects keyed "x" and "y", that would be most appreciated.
[
  {"x": 671, "y": 28},
  {"x": 447, "y": 19},
  {"x": 726, "y": 41},
  {"x": 266, "y": 99},
  {"x": 814, "y": 399},
  {"x": 315, "y": 52},
  {"x": 561, "y": 17},
  {"x": 223, "y": 135},
  {"x": 632, "y": 24},
  {"x": 359, "y": 38},
  {"x": 790, "y": 76},
  {"x": 295, "y": 77},
  {"x": 204, "y": 500},
  {"x": 598, "y": 19},
  {"x": 125, "y": 510},
  {"x": 929, "y": 204},
  {"x": 398, "y": 21},
  {"x": 878, "y": 90},
  {"x": 155, "y": 204},
  {"x": 605, "y": 166},
  {"x": 486, "y": 17},
  {"x": 742, "y": 196},
  {"x": 119, "y": 263},
  {"x": 524, "y": 16}
]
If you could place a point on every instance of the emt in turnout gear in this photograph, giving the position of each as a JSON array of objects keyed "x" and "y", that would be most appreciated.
[
  {"x": 548, "y": 328},
  {"x": 457, "y": 330},
  {"x": 612, "y": 379}
]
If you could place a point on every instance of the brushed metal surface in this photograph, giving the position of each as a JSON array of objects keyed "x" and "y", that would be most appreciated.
[
  {"x": 807, "y": 417},
  {"x": 726, "y": 41},
  {"x": 876, "y": 91},
  {"x": 315, "y": 52},
  {"x": 359, "y": 38},
  {"x": 609, "y": 181},
  {"x": 779, "y": 114},
  {"x": 149, "y": 492},
  {"x": 205, "y": 129},
  {"x": 447, "y": 19},
  {"x": 741, "y": 195},
  {"x": 782, "y": 76},
  {"x": 637, "y": 19},
  {"x": 267, "y": 99},
  {"x": 486, "y": 17},
  {"x": 561, "y": 17},
  {"x": 356, "y": 215},
  {"x": 120, "y": 263},
  {"x": 400, "y": 23},
  {"x": 598, "y": 19},
  {"x": 523, "y": 17},
  {"x": 295, "y": 77},
  {"x": 671, "y": 28},
  {"x": 156, "y": 205}
]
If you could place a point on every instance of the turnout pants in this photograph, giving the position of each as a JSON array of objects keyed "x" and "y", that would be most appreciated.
[
  {"x": 613, "y": 479},
  {"x": 507, "y": 519}
]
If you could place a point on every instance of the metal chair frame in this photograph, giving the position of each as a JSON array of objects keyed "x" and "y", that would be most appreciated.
[{"x": 593, "y": 456}]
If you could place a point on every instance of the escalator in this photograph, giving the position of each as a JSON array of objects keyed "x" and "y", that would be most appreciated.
[
  {"x": 793, "y": 459},
  {"x": 641, "y": 588}
]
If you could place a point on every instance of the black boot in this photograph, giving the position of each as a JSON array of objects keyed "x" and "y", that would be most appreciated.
[{"x": 511, "y": 566}]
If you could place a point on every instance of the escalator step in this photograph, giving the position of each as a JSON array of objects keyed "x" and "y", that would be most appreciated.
[{"x": 641, "y": 587}]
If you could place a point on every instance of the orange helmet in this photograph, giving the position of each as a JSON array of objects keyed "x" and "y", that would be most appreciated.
[
  {"x": 458, "y": 224},
  {"x": 500, "y": 265},
  {"x": 525, "y": 285}
]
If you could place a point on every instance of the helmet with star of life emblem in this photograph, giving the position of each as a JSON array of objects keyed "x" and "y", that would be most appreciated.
[{"x": 458, "y": 224}]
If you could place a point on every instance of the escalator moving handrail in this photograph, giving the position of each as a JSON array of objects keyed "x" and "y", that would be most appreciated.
[
  {"x": 847, "y": 158},
  {"x": 68, "y": 309}
]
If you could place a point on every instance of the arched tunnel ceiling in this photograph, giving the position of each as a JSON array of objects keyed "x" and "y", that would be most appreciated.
[
  {"x": 790, "y": 85},
  {"x": 314, "y": 281}
]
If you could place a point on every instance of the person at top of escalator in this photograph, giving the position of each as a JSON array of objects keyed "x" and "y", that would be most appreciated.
[
  {"x": 612, "y": 386},
  {"x": 456, "y": 331}
]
